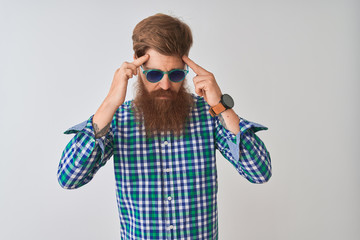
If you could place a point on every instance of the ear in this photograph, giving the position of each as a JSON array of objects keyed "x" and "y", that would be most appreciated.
[{"x": 134, "y": 56}]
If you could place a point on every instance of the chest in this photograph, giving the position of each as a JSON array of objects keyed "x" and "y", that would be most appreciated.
[{"x": 166, "y": 161}]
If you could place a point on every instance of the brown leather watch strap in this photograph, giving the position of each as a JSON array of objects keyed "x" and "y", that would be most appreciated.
[{"x": 217, "y": 109}]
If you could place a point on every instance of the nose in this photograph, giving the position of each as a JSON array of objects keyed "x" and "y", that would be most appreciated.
[{"x": 165, "y": 82}]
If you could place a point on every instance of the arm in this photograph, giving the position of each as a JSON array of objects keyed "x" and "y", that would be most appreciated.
[
  {"x": 92, "y": 146},
  {"x": 230, "y": 121},
  {"x": 235, "y": 137},
  {"x": 84, "y": 155},
  {"x": 245, "y": 151}
]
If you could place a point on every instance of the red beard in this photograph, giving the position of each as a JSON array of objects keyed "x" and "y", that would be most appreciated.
[{"x": 167, "y": 114}]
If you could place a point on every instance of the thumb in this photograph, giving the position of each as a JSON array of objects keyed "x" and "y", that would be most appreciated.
[{"x": 199, "y": 91}]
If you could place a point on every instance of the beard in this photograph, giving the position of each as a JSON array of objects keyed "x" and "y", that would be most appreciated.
[{"x": 157, "y": 114}]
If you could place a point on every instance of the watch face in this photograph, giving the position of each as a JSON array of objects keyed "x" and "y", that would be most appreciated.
[{"x": 227, "y": 101}]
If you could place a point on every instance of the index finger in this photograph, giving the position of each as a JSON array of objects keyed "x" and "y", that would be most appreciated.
[
  {"x": 196, "y": 68},
  {"x": 141, "y": 60}
]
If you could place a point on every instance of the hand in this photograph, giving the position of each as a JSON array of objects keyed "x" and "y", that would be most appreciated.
[
  {"x": 119, "y": 84},
  {"x": 205, "y": 83}
]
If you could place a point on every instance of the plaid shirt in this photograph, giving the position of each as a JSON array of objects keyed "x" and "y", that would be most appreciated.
[{"x": 166, "y": 186}]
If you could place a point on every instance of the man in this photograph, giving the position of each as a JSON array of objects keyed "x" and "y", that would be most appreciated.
[{"x": 163, "y": 142}]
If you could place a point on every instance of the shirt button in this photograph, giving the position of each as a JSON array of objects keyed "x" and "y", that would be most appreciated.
[
  {"x": 167, "y": 170},
  {"x": 171, "y": 227},
  {"x": 169, "y": 198},
  {"x": 166, "y": 143}
]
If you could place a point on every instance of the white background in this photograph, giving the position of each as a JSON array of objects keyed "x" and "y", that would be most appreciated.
[{"x": 292, "y": 66}]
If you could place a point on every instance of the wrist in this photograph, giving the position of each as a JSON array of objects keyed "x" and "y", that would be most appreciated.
[
  {"x": 215, "y": 101},
  {"x": 226, "y": 102}
]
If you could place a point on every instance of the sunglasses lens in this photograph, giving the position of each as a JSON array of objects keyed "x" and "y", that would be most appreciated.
[
  {"x": 154, "y": 76},
  {"x": 177, "y": 76}
]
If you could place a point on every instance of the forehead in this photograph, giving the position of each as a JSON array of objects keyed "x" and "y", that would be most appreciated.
[{"x": 163, "y": 62}]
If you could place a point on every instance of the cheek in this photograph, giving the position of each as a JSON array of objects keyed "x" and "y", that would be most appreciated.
[
  {"x": 145, "y": 84},
  {"x": 176, "y": 86}
]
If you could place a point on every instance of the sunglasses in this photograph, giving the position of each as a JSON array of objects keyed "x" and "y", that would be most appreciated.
[{"x": 155, "y": 75}]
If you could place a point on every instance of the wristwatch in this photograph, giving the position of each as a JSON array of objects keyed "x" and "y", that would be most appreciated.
[{"x": 226, "y": 102}]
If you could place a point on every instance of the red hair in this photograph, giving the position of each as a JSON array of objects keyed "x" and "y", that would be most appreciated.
[{"x": 165, "y": 34}]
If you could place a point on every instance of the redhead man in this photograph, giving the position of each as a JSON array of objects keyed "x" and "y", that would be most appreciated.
[{"x": 163, "y": 142}]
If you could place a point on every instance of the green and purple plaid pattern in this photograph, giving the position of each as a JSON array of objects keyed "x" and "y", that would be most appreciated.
[{"x": 166, "y": 185}]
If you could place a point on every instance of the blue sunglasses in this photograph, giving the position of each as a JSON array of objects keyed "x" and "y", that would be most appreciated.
[{"x": 175, "y": 75}]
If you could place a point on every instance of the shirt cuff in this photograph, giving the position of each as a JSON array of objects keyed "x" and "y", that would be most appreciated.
[
  {"x": 228, "y": 135},
  {"x": 87, "y": 128},
  {"x": 245, "y": 125},
  {"x": 233, "y": 140}
]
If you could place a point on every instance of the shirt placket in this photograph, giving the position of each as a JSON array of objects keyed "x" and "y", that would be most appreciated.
[{"x": 168, "y": 188}]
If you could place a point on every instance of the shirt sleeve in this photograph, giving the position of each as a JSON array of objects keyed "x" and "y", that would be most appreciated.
[
  {"x": 245, "y": 151},
  {"x": 84, "y": 155}
]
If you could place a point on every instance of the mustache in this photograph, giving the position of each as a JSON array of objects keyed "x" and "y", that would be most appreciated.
[{"x": 163, "y": 93}]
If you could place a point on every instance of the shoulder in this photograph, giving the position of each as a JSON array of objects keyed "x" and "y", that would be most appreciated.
[
  {"x": 200, "y": 104},
  {"x": 125, "y": 111},
  {"x": 126, "y": 106}
]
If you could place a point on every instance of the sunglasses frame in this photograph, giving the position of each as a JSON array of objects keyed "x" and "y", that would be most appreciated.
[{"x": 186, "y": 71}]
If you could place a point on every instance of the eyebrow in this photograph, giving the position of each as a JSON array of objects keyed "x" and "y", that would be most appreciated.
[{"x": 147, "y": 68}]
